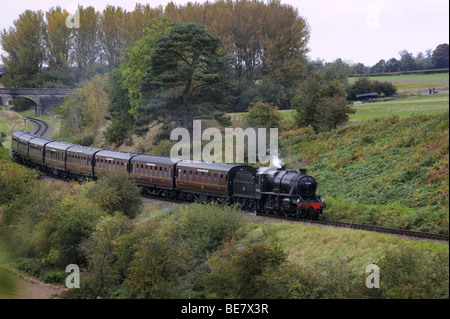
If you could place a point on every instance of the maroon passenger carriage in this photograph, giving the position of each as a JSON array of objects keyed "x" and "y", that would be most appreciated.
[{"x": 273, "y": 192}]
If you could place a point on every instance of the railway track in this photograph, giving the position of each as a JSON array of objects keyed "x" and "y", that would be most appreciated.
[
  {"x": 41, "y": 127},
  {"x": 384, "y": 230},
  {"x": 378, "y": 229}
]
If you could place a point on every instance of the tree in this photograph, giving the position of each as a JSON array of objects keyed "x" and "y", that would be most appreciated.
[
  {"x": 101, "y": 250},
  {"x": 24, "y": 47},
  {"x": 305, "y": 102},
  {"x": 137, "y": 59},
  {"x": 82, "y": 112},
  {"x": 337, "y": 69},
  {"x": 185, "y": 78},
  {"x": 112, "y": 34},
  {"x": 321, "y": 104},
  {"x": 116, "y": 193},
  {"x": 58, "y": 38},
  {"x": 333, "y": 111},
  {"x": 407, "y": 62},
  {"x": 393, "y": 65},
  {"x": 365, "y": 85},
  {"x": 125, "y": 82},
  {"x": 362, "y": 85},
  {"x": 359, "y": 68},
  {"x": 439, "y": 58},
  {"x": 380, "y": 67},
  {"x": 119, "y": 106},
  {"x": 86, "y": 45}
]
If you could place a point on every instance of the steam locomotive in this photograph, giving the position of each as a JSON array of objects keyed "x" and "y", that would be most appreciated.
[{"x": 267, "y": 190}]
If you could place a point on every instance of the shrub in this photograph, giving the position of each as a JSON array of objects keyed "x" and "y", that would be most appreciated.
[
  {"x": 207, "y": 226},
  {"x": 411, "y": 273},
  {"x": 241, "y": 274},
  {"x": 116, "y": 192},
  {"x": 261, "y": 114},
  {"x": 15, "y": 180}
]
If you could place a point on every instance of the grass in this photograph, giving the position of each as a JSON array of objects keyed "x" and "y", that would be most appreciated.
[
  {"x": 403, "y": 106},
  {"x": 11, "y": 121},
  {"x": 309, "y": 245},
  {"x": 383, "y": 161},
  {"x": 415, "y": 83}
]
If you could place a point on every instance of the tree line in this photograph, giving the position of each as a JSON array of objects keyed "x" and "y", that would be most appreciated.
[
  {"x": 41, "y": 50},
  {"x": 170, "y": 65},
  {"x": 428, "y": 60},
  {"x": 264, "y": 38}
]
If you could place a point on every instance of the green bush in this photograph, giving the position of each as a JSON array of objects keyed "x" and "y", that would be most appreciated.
[
  {"x": 235, "y": 273},
  {"x": 207, "y": 226},
  {"x": 15, "y": 180},
  {"x": 410, "y": 273},
  {"x": 116, "y": 192}
]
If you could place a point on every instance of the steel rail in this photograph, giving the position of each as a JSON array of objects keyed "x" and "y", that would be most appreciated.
[
  {"x": 378, "y": 229},
  {"x": 40, "y": 127}
]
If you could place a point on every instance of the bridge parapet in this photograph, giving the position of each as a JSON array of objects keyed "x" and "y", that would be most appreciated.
[
  {"x": 35, "y": 91},
  {"x": 43, "y": 98}
]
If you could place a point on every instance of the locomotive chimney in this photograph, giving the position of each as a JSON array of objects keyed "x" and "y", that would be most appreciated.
[{"x": 302, "y": 171}]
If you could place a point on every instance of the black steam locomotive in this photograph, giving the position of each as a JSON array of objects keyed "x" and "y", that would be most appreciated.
[{"x": 268, "y": 190}]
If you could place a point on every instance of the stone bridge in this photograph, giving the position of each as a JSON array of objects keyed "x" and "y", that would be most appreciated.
[{"x": 43, "y": 98}]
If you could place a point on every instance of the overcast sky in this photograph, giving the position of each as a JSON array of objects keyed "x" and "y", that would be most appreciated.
[{"x": 354, "y": 30}]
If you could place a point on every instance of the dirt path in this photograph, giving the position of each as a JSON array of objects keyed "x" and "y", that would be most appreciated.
[{"x": 27, "y": 288}]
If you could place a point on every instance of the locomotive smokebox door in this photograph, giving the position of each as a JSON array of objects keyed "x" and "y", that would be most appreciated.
[{"x": 244, "y": 184}]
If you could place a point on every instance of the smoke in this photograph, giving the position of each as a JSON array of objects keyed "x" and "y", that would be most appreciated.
[{"x": 276, "y": 161}]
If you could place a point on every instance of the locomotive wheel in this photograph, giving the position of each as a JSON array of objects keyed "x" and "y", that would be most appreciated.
[{"x": 312, "y": 213}]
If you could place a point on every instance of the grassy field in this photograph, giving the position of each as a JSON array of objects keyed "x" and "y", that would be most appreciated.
[
  {"x": 404, "y": 106},
  {"x": 415, "y": 83},
  {"x": 379, "y": 162},
  {"x": 11, "y": 121},
  {"x": 309, "y": 245}
]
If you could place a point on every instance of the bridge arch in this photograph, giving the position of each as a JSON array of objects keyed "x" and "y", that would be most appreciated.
[
  {"x": 34, "y": 99},
  {"x": 43, "y": 98}
]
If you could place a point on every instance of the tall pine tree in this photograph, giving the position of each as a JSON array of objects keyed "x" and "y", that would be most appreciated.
[{"x": 185, "y": 79}]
